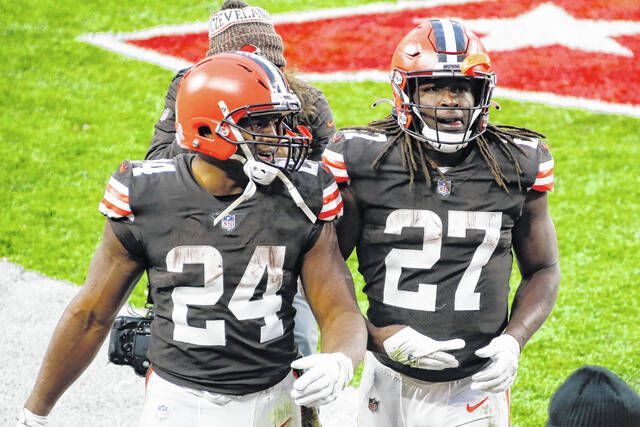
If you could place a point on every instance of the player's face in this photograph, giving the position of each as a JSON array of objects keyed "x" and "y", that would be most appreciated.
[
  {"x": 446, "y": 92},
  {"x": 262, "y": 127}
]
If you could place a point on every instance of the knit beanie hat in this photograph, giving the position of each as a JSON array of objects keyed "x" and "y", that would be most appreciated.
[
  {"x": 593, "y": 396},
  {"x": 237, "y": 24}
]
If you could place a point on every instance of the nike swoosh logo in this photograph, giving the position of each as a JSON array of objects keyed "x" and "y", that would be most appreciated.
[{"x": 471, "y": 408}]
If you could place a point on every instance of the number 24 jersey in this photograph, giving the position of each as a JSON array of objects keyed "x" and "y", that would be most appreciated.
[
  {"x": 437, "y": 257},
  {"x": 222, "y": 293}
]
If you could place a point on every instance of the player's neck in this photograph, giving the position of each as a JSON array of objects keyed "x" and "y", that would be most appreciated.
[
  {"x": 449, "y": 159},
  {"x": 216, "y": 179}
]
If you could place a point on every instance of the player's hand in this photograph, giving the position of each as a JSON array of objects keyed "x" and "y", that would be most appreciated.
[
  {"x": 326, "y": 375},
  {"x": 504, "y": 352},
  {"x": 26, "y": 418},
  {"x": 411, "y": 348}
]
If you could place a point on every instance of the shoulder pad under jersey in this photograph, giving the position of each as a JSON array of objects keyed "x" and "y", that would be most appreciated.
[
  {"x": 350, "y": 149},
  {"x": 540, "y": 174},
  {"x": 117, "y": 201},
  {"x": 319, "y": 190}
]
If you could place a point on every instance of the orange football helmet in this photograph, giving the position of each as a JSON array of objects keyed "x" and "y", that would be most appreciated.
[
  {"x": 441, "y": 48},
  {"x": 220, "y": 96}
]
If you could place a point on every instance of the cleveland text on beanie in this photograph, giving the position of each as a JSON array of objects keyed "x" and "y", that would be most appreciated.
[
  {"x": 237, "y": 24},
  {"x": 593, "y": 396}
]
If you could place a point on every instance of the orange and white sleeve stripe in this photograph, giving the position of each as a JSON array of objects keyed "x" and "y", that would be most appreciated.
[
  {"x": 544, "y": 177},
  {"x": 335, "y": 163},
  {"x": 331, "y": 203},
  {"x": 115, "y": 203}
]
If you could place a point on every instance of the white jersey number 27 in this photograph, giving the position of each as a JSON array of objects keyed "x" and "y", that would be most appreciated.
[
  {"x": 459, "y": 222},
  {"x": 270, "y": 258}
]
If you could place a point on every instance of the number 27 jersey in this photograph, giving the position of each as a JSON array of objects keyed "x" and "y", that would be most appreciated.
[{"x": 437, "y": 257}]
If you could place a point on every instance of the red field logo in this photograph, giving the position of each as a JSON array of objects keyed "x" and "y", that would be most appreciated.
[{"x": 577, "y": 53}]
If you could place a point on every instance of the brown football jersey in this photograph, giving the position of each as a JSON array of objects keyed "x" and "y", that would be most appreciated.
[
  {"x": 222, "y": 293},
  {"x": 437, "y": 257}
]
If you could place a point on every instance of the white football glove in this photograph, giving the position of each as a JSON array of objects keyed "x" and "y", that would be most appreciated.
[
  {"x": 326, "y": 376},
  {"x": 498, "y": 376},
  {"x": 411, "y": 348},
  {"x": 26, "y": 418}
]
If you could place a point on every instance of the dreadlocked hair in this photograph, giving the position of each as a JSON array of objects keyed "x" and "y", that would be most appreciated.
[
  {"x": 415, "y": 157},
  {"x": 307, "y": 94}
]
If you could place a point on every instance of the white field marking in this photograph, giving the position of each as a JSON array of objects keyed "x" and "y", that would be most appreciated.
[
  {"x": 117, "y": 42},
  {"x": 341, "y": 12},
  {"x": 551, "y": 25},
  {"x": 516, "y": 95},
  {"x": 569, "y": 102}
]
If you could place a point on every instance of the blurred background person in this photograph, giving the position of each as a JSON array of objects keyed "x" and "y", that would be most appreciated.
[{"x": 593, "y": 396}]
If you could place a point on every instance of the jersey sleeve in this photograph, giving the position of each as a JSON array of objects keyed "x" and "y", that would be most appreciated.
[
  {"x": 544, "y": 176},
  {"x": 332, "y": 205},
  {"x": 333, "y": 159},
  {"x": 116, "y": 206},
  {"x": 115, "y": 203}
]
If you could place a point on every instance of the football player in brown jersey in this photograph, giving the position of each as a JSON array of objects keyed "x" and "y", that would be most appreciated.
[
  {"x": 234, "y": 27},
  {"x": 436, "y": 199},
  {"x": 223, "y": 234}
]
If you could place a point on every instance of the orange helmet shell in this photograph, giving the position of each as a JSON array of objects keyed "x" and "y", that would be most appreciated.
[
  {"x": 430, "y": 47},
  {"x": 439, "y": 48},
  {"x": 225, "y": 88}
]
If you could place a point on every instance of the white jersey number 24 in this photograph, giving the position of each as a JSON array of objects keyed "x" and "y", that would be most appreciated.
[
  {"x": 270, "y": 258},
  {"x": 459, "y": 222}
]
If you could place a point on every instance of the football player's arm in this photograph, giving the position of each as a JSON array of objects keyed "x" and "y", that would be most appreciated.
[
  {"x": 536, "y": 248},
  {"x": 348, "y": 229},
  {"x": 163, "y": 144},
  {"x": 349, "y": 226},
  {"x": 378, "y": 335},
  {"x": 322, "y": 126},
  {"x": 329, "y": 289},
  {"x": 85, "y": 322}
]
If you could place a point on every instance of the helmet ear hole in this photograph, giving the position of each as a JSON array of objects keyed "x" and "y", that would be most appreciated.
[{"x": 205, "y": 131}]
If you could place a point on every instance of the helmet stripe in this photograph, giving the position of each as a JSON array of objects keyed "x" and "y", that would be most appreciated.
[
  {"x": 438, "y": 35},
  {"x": 279, "y": 87},
  {"x": 449, "y": 37},
  {"x": 459, "y": 35},
  {"x": 281, "y": 93}
]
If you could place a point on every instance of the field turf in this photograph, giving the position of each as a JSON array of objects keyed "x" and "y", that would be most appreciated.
[{"x": 71, "y": 112}]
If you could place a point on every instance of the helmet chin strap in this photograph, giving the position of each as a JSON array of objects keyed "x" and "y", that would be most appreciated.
[
  {"x": 446, "y": 142},
  {"x": 260, "y": 173},
  {"x": 451, "y": 142}
]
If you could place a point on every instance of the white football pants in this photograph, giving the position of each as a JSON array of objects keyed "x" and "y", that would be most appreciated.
[
  {"x": 389, "y": 399},
  {"x": 170, "y": 405}
]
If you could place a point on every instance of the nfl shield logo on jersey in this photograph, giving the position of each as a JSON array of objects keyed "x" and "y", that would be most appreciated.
[
  {"x": 228, "y": 222},
  {"x": 444, "y": 187}
]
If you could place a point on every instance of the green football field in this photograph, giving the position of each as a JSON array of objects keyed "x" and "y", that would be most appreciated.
[{"x": 71, "y": 112}]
